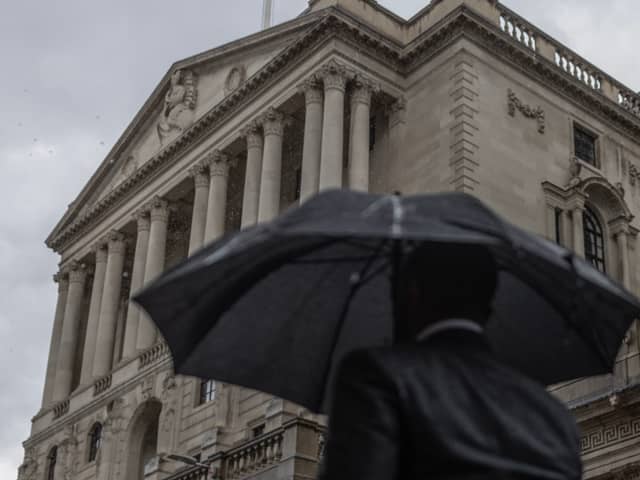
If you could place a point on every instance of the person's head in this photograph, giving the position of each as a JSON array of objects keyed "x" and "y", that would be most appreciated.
[{"x": 440, "y": 281}]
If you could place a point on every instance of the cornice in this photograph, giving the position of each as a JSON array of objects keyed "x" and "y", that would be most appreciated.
[{"x": 332, "y": 23}]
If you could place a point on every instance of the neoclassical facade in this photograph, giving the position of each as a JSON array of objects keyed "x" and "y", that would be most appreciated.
[{"x": 465, "y": 96}]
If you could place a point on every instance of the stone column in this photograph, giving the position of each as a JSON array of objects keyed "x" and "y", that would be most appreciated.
[
  {"x": 331, "y": 158},
  {"x": 70, "y": 329},
  {"x": 199, "y": 218},
  {"x": 312, "y": 148},
  {"x": 251, "y": 195},
  {"x": 577, "y": 210},
  {"x": 620, "y": 230},
  {"x": 103, "y": 357},
  {"x": 49, "y": 382},
  {"x": 270, "y": 180},
  {"x": 360, "y": 135},
  {"x": 159, "y": 216},
  {"x": 86, "y": 374},
  {"x": 218, "y": 164},
  {"x": 137, "y": 279}
]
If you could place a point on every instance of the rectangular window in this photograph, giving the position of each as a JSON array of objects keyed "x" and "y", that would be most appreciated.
[
  {"x": 585, "y": 145},
  {"x": 298, "y": 182},
  {"x": 257, "y": 430},
  {"x": 207, "y": 391}
]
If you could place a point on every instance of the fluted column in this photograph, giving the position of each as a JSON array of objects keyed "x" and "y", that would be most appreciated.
[
  {"x": 331, "y": 158},
  {"x": 577, "y": 210},
  {"x": 253, "y": 171},
  {"x": 137, "y": 279},
  {"x": 218, "y": 164},
  {"x": 103, "y": 357},
  {"x": 159, "y": 216},
  {"x": 620, "y": 229},
  {"x": 360, "y": 135},
  {"x": 271, "y": 177},
  {"x": 200, "y": 177},
  {"x": 312, "y": 148},
  {"x": 86, "y": 373},
  {"x": 63, "y": 288},
  {"x": 70, "y": 329}
]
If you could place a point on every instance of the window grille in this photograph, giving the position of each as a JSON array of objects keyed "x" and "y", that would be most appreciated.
[
  {"x": 585, "y": 146},
  {"x": 593, "y": 240},
  {"x": 207, "y": 391}
]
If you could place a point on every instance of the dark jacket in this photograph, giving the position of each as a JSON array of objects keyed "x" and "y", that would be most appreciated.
[{"x": 445, "y": 408}]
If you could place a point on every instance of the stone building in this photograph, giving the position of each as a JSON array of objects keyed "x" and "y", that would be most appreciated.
[{"x": 466, "y": 96}]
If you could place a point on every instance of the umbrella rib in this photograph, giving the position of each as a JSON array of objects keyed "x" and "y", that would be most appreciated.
[{"x": 355, "y": 286}]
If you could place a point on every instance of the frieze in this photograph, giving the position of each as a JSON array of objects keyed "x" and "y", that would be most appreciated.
[
  {"x": 463, "y": 22},
  {"x": 527, "y": 110},
  {"x": 610, "y": 435}
]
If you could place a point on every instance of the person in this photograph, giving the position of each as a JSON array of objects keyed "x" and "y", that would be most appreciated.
[{"x": 443, "y": 406}]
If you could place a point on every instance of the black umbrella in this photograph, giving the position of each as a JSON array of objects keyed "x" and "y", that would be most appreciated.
[{"x": 276, "y": 306}]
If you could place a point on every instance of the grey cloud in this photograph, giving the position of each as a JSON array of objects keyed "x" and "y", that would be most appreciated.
[{"x": 69, "y": 61}]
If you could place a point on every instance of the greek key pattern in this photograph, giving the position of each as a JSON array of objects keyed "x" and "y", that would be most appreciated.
[{"x": 610, "y": 435}]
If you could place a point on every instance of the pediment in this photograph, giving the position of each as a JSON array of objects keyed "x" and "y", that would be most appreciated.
[{"x": 190, "y": 89}]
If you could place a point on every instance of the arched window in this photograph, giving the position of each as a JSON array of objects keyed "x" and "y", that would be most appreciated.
[
  {"x": 51, "y": 463},
  {"x": 593, "y": 240},
  {"x": 95, "y": 438}
]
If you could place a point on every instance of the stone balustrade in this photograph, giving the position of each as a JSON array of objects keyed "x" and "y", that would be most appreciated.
[
  {"x": 578, "y": 68},
  {"x": 60, "y": 409},
  {"x": 252, "y": 457},
  {"x": 152, "y": 355},
  {"x": 102, "y": 385},
  {"x": 193, "y": 473},
  {"x": 568, "y": 61},
  {"x": 629, "y": 101},
  {"x": 517, "y": 28}
]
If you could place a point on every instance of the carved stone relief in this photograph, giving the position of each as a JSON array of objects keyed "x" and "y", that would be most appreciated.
[
  {"x": 179, "y": 106},
  {"x": 129, "y": 166},
  {"x": 236, "y": 76},
  {"x": 29, "y": 468},
  {"x": 528, "y": 111}
]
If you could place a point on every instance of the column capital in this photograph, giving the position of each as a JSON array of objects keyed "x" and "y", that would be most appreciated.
[
  {"x": 199, "y": 173},
  {"x": 158, "y": 209},
  {"x": 77, "y": 272},
  {"x": 218, "y": 163},
  {"x": 576, "y": 201},
  {"x": 363, "y": 89},
  {"x": 115, "y": 241},
  {"x": 141, "y": 216},
  {"x": 100, "y": 251},
  {"x": 62, "y": 279},
  {"x": 312, "y": 90},
  {"x": 273, "y": 122},
  {"x": 397, "y": 111},
  {"x": 334, "y": 76},
  {"x": 253, "y": 134}
]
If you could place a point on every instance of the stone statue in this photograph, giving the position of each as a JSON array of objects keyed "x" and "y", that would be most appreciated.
[{"x": 179, "y": 105}]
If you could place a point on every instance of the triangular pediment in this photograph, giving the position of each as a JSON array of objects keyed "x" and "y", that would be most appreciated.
[{"x": 187, "y": 92}]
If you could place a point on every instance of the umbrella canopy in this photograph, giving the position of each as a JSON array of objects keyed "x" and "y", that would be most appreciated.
[{"x": 276, "y": 306}]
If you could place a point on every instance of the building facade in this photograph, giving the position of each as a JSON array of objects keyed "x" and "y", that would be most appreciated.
[{"x": 465, "y": 96}]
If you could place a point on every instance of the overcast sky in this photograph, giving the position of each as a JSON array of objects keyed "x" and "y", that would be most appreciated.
[{"x": 74, "y": 74}]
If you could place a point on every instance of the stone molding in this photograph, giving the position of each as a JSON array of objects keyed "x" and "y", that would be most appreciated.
[
  {"x": 464, "y": 127},
  {"x": 528, "y": 111},
  {"x": 609, "y": 435},
  {"x": 461, "y": 22}
]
